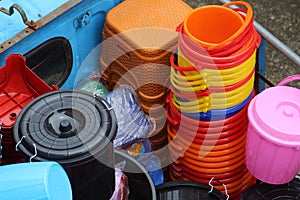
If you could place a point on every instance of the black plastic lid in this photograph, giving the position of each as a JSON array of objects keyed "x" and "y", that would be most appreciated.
[
  {"x": 263, "y": 191},
  {"x": 65, "y": 126},
  {"x": 178, "y": 190}
]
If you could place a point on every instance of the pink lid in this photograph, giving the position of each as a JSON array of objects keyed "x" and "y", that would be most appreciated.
[{"x": 275, "y": 113}]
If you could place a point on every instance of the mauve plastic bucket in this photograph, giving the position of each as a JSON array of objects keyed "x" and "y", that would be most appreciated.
[{"x": 273, "y": 137}]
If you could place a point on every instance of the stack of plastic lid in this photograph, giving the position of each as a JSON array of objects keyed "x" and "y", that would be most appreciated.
[
  {"x": 138, "y": 38},
  {"x": 75, "y": 129},
  {"x": 212, "y": 82},
  {"x": 18, "y": 86}
]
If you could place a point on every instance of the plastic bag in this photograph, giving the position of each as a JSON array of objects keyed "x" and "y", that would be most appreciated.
[
  {"x": 138, "y": 148},
  {"x": 133, "y": 124},
  {"x": 153, "y": 166},
  {"x": 142, "y": 152},
  {"x": 93, "y": 85},
  {"x": 121, "y": 185}
]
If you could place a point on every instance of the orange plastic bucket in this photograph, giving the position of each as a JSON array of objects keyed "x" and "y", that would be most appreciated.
[
  {"x": 232, "y": 186},
  {"x": 205, "y": 178},
  {"x": 194, "y": 129},
  {"x": 209, "y": 25},
  {"x": 204, "y": 147},
  {"x": 211, "y": 152},
  {"x": 213, "y": 139},
  {"x": 225, "y": 175},
  {"x": 210, "y": 163},
  {"x": 174, "y": 151},
  {"x": 213, "y": 170}
]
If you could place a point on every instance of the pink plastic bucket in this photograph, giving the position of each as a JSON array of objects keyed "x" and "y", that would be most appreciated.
[{"x": 273, "y": 137}]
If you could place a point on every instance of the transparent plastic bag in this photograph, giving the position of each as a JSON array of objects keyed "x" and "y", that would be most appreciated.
[
  {"x": 121, "y": 183},
  {"x": 133, "y": 124}
]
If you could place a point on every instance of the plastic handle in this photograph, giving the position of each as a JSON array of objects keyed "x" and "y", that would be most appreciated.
[{"x": 289, "y": 79}]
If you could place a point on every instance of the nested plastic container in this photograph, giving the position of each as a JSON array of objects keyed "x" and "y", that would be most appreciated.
[
  {"x": 75, "y": 129},
  {"x": 18, "y": 86},
  {"x": 144, "y": 43},
  {"x": 207, "y": 25},
  {"x": 35, "y": 180},
  {"x": 273, "y": 138}
]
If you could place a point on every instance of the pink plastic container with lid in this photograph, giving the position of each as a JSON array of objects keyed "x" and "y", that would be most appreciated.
[{"x": 273, "y": 137}]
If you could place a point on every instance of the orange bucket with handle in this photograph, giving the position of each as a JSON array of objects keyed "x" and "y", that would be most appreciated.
[{"x": 209, "y": 25}]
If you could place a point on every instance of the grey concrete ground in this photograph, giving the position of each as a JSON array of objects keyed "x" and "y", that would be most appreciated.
[{"x": 282, "y": 19}]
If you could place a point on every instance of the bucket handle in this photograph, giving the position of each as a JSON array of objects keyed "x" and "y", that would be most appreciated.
[
  {"x": 289, "y": 79},
  {"x": 34, "y": 146},
  {"x": 212, "y": 187}
]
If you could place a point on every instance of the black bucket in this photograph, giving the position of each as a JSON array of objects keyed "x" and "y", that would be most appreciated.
[
  {"x": 75, "y": 129},
  {"x": 179, "y": 190},
  {"x": 263, "y": 191},
  {"x": 141, "y": 186}
]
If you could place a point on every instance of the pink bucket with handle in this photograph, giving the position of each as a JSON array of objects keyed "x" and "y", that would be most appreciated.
[{"x": 273, "y": 136}]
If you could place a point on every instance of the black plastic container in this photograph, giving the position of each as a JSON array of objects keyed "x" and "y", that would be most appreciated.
[
  {"x": 265, "y": 191},
  {"x": 181, "y": 190},
  {"x": 141, "y": 186},
  {"x": 75, "y": 129}
]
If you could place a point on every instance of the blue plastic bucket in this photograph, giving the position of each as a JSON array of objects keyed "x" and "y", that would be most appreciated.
[{"x": 36, "y": 180}]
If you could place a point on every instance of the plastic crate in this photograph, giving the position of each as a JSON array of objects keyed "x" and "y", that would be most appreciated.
[{"x": 18, "y": 86}]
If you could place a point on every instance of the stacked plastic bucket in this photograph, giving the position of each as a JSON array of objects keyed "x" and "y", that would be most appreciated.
[
  {"x": 137, "y": 43},
  {"x": 212, "y": 81}
]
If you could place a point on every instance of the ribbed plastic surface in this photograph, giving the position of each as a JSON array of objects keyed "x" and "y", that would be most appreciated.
[
  {"x": 136, "y": 14},
  {"x": 138, "y": 39}
]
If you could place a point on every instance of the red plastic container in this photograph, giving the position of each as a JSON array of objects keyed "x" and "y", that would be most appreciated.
[{"x": 18, "y": 86}]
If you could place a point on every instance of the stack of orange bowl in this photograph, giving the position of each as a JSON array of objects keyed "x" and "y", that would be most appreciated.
[
  {"x": 212, "y": 82},
  {"x": 138, "y": 39}
]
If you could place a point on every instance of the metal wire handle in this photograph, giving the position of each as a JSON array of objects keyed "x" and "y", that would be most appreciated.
[
  {"x": 212, "y": 187},
  {"x": 34, "y": 146},
  {"x": 10, "y": 11}
]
